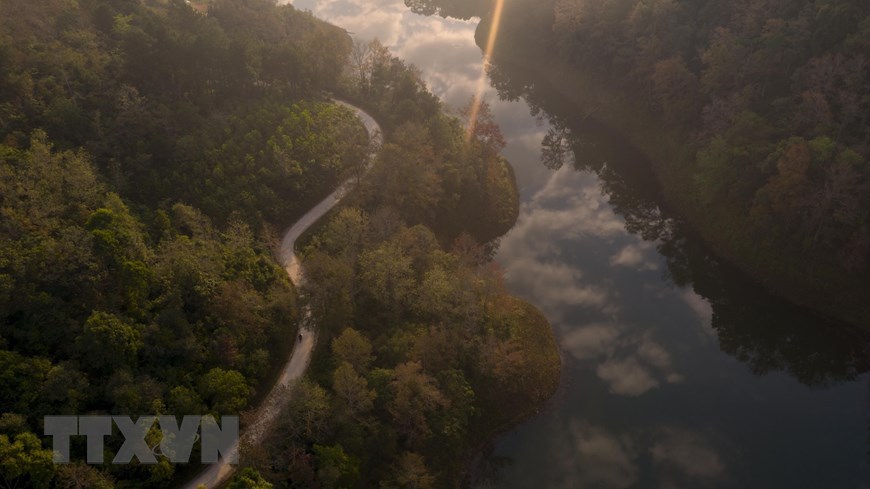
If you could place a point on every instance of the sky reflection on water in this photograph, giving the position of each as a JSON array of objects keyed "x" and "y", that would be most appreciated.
[
  {"x": 451, "y": 63},
  {"x": 648, "y": 398}
]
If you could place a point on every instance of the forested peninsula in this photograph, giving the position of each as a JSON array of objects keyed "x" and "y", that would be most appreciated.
[
  {"x": 151, "y": 153},
  {"x": 753, "y": 114}
]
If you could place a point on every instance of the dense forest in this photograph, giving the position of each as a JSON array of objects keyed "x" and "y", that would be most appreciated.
[
  {"x": 424, "y": 355},
  {"x": 427, "y": 170},
  {"x": 151, "y": 152},
  {"x": 428, "y": 357},
  {"x": 754, "y": 115},
  {"x": 144, "y": 164}
]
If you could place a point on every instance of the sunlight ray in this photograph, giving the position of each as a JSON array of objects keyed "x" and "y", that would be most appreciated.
[{"x": 481, "y": 82}]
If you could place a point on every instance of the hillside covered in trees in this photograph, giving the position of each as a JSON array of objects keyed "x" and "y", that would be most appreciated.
[
  {"x": 754, "y": 114},
  {"x": 145, "y": 170},
  {"x": 151, "y": 152},
  {"x": 422, "y": 354},
  {"x": 425, "y": 356}
]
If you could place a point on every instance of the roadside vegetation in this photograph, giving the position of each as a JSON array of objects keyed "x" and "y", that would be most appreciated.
[
  {"x": 151, "y": 153},
  {"x": 149, "y": 156},
  {"x": 422, "y": 354}
]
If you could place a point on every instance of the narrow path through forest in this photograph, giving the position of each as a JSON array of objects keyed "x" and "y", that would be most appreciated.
[{"x": 216, "y": 474}]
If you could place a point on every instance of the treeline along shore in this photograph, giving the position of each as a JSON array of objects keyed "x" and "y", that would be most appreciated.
[{"x": 151, "y": 152}]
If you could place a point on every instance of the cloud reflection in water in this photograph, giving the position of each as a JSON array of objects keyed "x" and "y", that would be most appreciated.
[
  {"x": 568, "y": 211},
  {"x": 592, "y": 456},
  {"x": 445, "y": 47},
  {"x": 564, "y": 213}
]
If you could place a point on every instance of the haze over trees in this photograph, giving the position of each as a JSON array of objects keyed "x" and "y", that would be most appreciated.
[
  {"x": 754, "y": 115},
  {"x": 427, "y": 356},
  {"x": 778, "y": 92},
  {"x": 775, "y": 96},
  {"x": 427, "y": 170},
  {"x": 151, "y": 152},
  {"x": 424, "y": 354}
]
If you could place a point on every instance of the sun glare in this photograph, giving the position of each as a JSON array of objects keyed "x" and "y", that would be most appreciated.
[{"x": 481, "y": 82}]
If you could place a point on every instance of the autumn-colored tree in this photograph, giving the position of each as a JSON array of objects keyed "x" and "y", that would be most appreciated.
[
  {"x": 481, "y": 126},
  {"x": 352, "y": 389},
  {"x": 438, "y": 349},
  {"x": 353, "y": 348},
  {"x": 415, "y": 397},
  {"x": 81, "y": 476},
  {"x": 836, "y": 203},
  {"x": 410, "y": 471},
  {"x": 787, "y": 191}
]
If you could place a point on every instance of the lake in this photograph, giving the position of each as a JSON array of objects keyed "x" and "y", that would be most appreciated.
[{"x": 677, "y": 370}]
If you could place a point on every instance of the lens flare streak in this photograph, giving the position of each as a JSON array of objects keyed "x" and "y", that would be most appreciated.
[{"x": 481, "y": 82}]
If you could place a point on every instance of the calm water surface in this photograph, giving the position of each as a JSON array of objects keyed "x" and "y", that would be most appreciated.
[{"x": 678, "y": 372}]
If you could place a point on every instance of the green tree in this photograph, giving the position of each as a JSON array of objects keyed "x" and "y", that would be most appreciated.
[
  {"x": 406, "y": 174},
  {"x": 716, "y": 170},
  {"x": 249, "y": 478},
  {"x": 345, "y": 234},
  {"x": 21, "y": 379},
  {"x": 12, "y": 424},
  {"x": 225, "y": 391},
  {"x": 335, "y": 468},
  {"x": 24, "y": 461},
  {"x": 440, "y": 295},
  {"x": 108, "y": 342},
  {"x": 118, "y": 234},
  {"x": 308, "y": 412},
  {"x": 329, "y": 286},
  {"x": 66, "y": 389},
  {"x": 183, "y": 400},
  {"x": 387, "y": 275}
]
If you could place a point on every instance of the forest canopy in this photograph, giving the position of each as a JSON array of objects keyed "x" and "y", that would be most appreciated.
[
  {"x": 754, "y": 115},
  {"x": 150, "y": 152},
  {"x": 775, "y": 97}
]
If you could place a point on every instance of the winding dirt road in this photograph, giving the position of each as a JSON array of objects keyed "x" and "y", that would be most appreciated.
[{"x": 217, "y": 474}]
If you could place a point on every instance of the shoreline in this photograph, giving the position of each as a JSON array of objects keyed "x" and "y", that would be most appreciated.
[{"x": 671, "y": 159}]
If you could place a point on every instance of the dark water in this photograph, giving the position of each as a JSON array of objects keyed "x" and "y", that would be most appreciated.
[{"x": 678, "y": 371}]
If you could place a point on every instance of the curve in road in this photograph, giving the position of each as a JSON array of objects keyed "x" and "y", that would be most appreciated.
[{"x": 296, "y": 365}]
